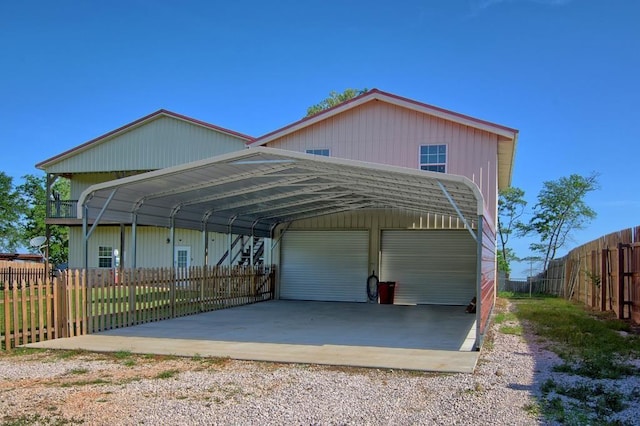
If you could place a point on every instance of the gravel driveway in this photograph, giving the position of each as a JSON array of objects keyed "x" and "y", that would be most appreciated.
[{"x": 125, "y": 389}]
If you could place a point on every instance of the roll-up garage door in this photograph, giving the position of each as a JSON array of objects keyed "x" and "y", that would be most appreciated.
[
  {"x": 324, "y": 265},
  {"x": 430, "y": 267}
]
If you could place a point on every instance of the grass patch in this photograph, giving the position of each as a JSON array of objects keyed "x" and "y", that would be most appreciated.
[
  {"x": 122, "y": 354},
  {"x": 167, "y": 374},
  {"x": 129, "y": 362},
  {"x": 85, "y": 383},
  {"x": 589, "y": 346},
  {"x": 588, "y": 402},
  {"x": 78, "y": 371},
  {"x": 511, "y": 329},
  {"x": 502, "y": 317},
  {"x": 31, "y": 419},
  {"x": 67, "y": 354},
  {"x": 20, "y": 351}
]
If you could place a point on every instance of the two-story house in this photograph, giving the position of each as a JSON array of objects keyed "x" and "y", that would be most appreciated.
[{"x": 379, "y": 184}]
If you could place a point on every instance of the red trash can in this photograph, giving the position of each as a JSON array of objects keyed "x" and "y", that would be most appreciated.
[{"x": 386, "y": 291}]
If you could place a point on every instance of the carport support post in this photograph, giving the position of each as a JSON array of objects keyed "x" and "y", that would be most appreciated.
[
  {"x": 205, "y": 263},
  {"x": 134, "y": 241},
  {"x": 172, "y": 289},
  {"x": 479, "y": 334},
  {"x": 229, "y": 236},
  {"x": 85, "y": 237}
]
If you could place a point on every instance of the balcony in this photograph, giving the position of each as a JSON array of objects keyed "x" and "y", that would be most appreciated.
[{"x": 62, "y": 209}]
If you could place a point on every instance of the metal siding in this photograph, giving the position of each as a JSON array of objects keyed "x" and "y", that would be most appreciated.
[
  {"x": 82, "y": 181},
  {"x": 153, "y": 250},
  {"x": 324, "y": 265},
  {"x": 386, "y": 219},
  {"x": 160, "y": 143},
  {"x": 429, "y": 267},
  {"x": 382, "y": 133}
]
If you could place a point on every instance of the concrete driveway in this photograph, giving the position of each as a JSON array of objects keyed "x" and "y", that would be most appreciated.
[{"x": 428, "y": 338}]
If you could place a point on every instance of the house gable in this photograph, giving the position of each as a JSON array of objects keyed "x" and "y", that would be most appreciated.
[
  {"x": 383, "y": 133},
  {"x": 405, "y": 118},
  {"x": 160, "y": 140}
]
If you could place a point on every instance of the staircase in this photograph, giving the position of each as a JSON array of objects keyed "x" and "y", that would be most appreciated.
[{"x": 243, "y": 251}]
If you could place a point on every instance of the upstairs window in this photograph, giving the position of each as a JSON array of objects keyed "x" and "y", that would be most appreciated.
[
  {"x": 323, "y": 151},
  {"x": 105, "y": 257},
  {"x": 433, "y": 158}
]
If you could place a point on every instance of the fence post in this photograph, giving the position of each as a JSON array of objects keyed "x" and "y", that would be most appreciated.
[
  {"x": 173, "y": 274},
  {"x": 130, "y": 281},
  {"x": 603, "y": 280},
  {"x": 593, "y": 277},
  {"x": 7, "y": 317},
  {"x": 620, "y": 281}
]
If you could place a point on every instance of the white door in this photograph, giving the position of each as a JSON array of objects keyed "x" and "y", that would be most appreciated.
[
  {"x": 182, "y": 261},
  {"x": 324, "y": 265},
  {"x": 430, "y": 267}
]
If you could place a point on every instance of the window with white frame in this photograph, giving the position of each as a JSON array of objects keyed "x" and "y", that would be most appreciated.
[
  {"x": 322, "y": 151},
  {"x": 105, "y": 257},
  {"x": 433, "y": 158}
]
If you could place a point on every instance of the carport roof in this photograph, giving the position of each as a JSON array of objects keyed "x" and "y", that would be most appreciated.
[{"x": 253, "y": 190}]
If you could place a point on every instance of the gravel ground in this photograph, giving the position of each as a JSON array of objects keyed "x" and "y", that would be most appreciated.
[{"x": 124, "y": 389}]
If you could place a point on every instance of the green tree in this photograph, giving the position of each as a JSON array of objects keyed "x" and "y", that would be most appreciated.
[
  {"x": 334, "y": 99},
  {"x": 511, "y": 204},
  {"x": 34, "y": 196},
  {"x": 11, "y": 209},
  {"x": 561, "y": 209}
]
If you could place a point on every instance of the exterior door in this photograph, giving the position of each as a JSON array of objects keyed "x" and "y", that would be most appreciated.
[
  {"x": 182, "y": 261},
  {"x": 324, "y": 265},
  {"x": 430, "y": 267}
]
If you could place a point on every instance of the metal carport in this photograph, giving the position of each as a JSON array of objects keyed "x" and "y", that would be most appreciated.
[{"x": 252, "y": 191}]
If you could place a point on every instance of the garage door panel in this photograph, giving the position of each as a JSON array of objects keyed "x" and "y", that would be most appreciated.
[
  {"x": 324, "y": 265},
  {"x": 430, "y": 267}
]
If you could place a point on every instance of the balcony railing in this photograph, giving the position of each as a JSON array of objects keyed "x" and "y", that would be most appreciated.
[{"x": 62, "y": 209}]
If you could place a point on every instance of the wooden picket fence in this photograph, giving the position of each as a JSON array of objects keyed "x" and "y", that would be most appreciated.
[{"x": 81, "y": 302}]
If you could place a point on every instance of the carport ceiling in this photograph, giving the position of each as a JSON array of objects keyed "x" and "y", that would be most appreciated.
[{"x": 251, "y": 191}]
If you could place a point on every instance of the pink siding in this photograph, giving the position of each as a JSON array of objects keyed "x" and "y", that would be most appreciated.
[
  {"x": 488, "y": 275},
  {"x": 379, "y": 132}
]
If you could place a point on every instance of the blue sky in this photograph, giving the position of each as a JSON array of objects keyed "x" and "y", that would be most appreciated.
[{"x": 566, "y": 73}]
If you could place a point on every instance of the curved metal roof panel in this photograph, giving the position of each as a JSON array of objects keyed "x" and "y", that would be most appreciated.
[{"x": 253, "y": 190}]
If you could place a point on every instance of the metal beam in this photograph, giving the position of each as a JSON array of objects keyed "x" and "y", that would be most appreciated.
[
  {"x": 101, "y": 213},
  {"x": 460, "y": 215}
]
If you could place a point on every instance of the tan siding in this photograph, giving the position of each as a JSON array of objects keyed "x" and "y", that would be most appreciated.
[
  {"x": 160, "y": 143},
  {"x": 153, "y": 249},
  {"x": 80, "y": 182},
  {"x": 382, "y": 133}
]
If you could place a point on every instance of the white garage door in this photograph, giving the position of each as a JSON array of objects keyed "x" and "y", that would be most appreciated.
[
  {"x": 430, "y": 267},
  {"x": 324, "y": 265}
]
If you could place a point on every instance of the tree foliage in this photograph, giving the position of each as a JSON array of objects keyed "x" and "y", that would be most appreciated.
[
  {"x": 34, "y": 195},
  {"x": 561, "y": 209},
  {"x": 11, "y": 209},
  {"x": 334, "y": 99},
  {"x": 511, "y": 204}
]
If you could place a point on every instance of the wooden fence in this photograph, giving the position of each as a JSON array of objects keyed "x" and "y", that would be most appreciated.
[
  {"x": 81, "y": 302},
  {"x": 21, "y": 265},
  {"x": 604, "y": 273}
]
